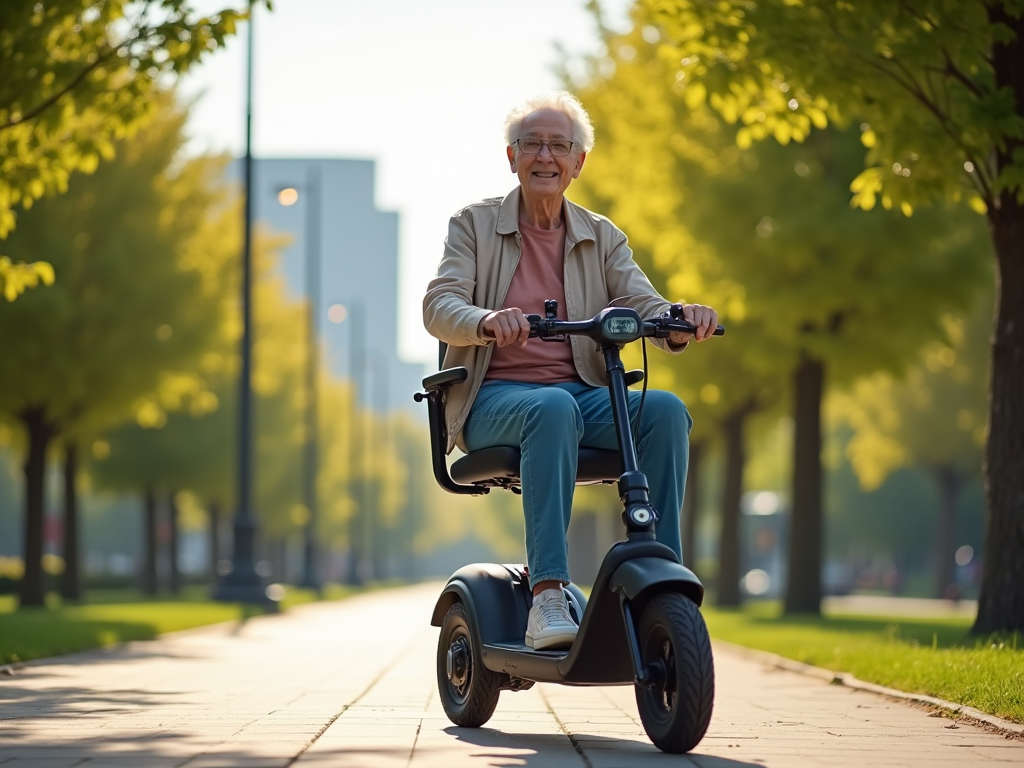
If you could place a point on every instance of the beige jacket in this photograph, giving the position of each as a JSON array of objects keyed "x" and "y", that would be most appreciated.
[{"x": 480, "y": 255}]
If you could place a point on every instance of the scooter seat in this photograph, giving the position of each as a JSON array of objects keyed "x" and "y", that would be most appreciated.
[{"x": 500, "y": 466}]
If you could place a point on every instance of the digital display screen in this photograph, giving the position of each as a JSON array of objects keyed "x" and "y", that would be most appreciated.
[{"x": 621, "y": 327}]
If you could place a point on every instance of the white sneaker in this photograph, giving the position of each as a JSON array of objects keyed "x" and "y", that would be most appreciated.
[{"x": 550, "y": 625}]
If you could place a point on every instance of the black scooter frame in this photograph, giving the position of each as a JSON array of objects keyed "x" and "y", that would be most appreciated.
[{"x": 606, "y": 650}]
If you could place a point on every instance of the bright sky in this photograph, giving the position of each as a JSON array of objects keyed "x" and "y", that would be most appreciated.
[{"x": 420, "y": 86}]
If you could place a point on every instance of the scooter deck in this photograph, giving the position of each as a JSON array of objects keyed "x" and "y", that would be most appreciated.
[
  {"x": 556, "y": 653},
  {"x": 520, "y": 660}
]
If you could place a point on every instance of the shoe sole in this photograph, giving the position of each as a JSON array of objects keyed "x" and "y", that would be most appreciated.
[{"x": 559, "y": 640}]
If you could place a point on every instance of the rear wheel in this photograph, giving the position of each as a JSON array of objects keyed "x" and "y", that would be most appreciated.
[
  {"x": 469, "y": 691},
  {"x": 676, "y": 650}
]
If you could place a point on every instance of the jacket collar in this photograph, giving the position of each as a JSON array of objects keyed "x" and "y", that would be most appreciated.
[{"x": 578, "y": 224}]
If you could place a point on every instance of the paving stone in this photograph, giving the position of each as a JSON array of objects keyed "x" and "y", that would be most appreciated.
[{"x": 294, "y": 690}]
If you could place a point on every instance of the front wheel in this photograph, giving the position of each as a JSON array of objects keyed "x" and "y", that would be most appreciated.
[
  {"x": 676, "y": 651},
  {"x": 469, "y": 691}
]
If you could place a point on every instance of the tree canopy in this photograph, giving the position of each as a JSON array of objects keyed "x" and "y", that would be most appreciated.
[
  {"x": 79, "y": 76},
  {"x": 937, "y": 89},
  {"x": 923, "y": 76}
]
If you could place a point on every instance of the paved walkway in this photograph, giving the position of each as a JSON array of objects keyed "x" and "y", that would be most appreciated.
[{"x": 351, "y": 685}]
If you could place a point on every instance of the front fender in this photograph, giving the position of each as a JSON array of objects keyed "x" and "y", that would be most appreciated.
[
  {"x": 495, "y": 600},
  {"x": 643, "y": 577}
]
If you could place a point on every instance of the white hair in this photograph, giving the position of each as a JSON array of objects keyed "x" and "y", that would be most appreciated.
[{"x": 562, "y": 101}]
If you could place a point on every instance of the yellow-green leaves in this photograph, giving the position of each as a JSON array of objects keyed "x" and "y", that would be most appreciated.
[
  {"x": 934, "y": 415},
  {"x": 865, "y": 188},
  {"x": 16, "y": 278},
  {"x": 78, "y": 76},
  {"x": 919, "y": 74}
]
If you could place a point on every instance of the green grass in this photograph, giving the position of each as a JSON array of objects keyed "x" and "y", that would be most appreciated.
[
  {"x": 932, "y": 656},
  {"x": 114, "y": 616}
]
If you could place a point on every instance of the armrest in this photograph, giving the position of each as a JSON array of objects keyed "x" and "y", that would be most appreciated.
[
  {"x": 445, "y": 378},
  {"x": 437, "y": 392}
]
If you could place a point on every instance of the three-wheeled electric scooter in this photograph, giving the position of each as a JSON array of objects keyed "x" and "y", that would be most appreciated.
[{"x": 642, "y": 624}]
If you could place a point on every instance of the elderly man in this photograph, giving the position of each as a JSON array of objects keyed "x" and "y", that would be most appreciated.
[{"x": 503, "y": 257}]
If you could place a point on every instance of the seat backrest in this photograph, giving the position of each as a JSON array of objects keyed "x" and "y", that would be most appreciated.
[{"x": 442, "y": 348}]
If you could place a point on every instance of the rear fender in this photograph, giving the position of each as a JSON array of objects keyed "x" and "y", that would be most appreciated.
[{"x": 495, "y": 597}]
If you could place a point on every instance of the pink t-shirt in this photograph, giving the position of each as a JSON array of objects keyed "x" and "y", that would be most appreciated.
[{"x": 540, "y": 275}]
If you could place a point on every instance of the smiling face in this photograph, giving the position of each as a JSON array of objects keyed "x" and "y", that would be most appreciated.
[{"x": 543, "y": 175}]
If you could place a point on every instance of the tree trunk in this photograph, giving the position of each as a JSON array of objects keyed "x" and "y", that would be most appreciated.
[
  {"x": 40, "y": 432},
  {"x": 173, "y": 544},
  {"x": 71, "y": 579},
  {"x": 729, "y": 540},
  {"x": 213, "y": 511},
  {"x": 691, "y": 505},
  {"x": 1001, "y": 601},
  {"x": 149, "y": 544},
  {"x": 949, "y": 483},
  {"x": 803, "y": 580}
]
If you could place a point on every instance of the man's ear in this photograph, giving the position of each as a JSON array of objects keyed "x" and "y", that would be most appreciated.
[
  {"x": 511, "y": 158},
  {"x": 580, "y": 159}
]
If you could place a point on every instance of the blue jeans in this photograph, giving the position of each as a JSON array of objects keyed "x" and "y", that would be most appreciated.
[{"x": 548, "y": 423}]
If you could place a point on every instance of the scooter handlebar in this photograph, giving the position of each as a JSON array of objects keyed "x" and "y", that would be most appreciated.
[{"x": 553, "y": 329}]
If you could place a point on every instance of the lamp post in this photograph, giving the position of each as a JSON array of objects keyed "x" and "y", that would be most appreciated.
[
  {"x": 289, "y": 196},
  {"x": 242, "y": 583}
]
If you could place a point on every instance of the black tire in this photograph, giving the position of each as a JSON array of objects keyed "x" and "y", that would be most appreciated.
[
  {"x": 469, "y": 693},
  {"x": 674, "y": 642}
]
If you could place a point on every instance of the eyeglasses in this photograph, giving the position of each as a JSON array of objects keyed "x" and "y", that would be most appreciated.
[{"x": 557, "y": 147}]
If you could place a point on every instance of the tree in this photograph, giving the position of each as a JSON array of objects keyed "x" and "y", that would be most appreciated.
[
  {"x": 79, "y": 76},
  {"x": 641, "y": 177},
  {"x": 934, "y": 417},
  {"x": 818, "y": 280},
  {"x": 834, "y": 291},
  {"x": 193, "y": 449},
  {"x": 940, "y": 88},
  {"x": 124, "y": 328}
]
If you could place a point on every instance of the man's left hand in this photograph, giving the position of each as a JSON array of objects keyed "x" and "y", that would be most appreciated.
[{"x": 703, "y": 318}]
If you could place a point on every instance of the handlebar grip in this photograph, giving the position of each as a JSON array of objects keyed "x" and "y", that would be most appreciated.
[{"x": 690, "y": 328}]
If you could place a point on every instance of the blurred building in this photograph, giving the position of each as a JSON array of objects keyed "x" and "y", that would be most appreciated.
[{"x": 358, "y": 244}]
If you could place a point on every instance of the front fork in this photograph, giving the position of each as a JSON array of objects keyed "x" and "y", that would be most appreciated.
[{"x": 634, "y": 492}]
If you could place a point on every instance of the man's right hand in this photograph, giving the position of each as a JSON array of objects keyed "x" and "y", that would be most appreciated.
[{"x": 506, "y": 326}]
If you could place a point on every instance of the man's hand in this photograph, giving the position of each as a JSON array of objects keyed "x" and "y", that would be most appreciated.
[
  {"x": 506, "y": 326},
  {"x": 705, "y": 319}
]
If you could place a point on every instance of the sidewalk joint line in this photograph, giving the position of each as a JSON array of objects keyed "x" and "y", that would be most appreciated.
[
  {"x": 561, "y": 726},
  {"x": 415, "y": 741},
  {"x": 352, "y": 703}
]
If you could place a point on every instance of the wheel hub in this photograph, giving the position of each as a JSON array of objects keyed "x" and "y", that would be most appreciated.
[{"x": 457, "y": 663}]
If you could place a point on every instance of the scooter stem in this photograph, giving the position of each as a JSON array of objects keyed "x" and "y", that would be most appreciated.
[
  {"x": 634, "y": 492},
  {"x": 620, "y": 407}
]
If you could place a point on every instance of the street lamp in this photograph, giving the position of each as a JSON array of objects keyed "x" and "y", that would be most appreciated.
[
  {"x": 289, "y": 196},
  {"x": 242, "y": 583}
]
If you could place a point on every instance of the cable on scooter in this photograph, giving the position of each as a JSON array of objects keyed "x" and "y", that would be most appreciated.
[{"x": 643, "y": 396}]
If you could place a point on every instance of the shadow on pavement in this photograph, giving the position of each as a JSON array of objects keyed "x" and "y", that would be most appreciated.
[
  {"x": 539, "y": 750},
  {"x": 20, "y": 701}
]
